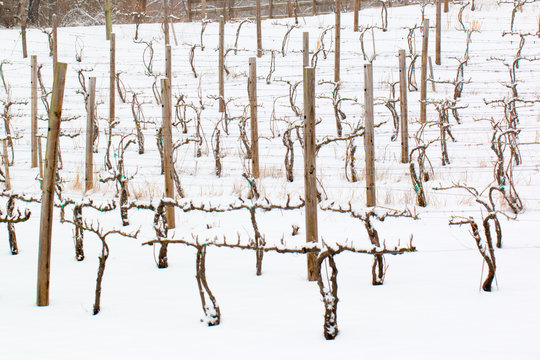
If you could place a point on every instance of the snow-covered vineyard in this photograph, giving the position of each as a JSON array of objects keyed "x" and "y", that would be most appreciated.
[{"x": 451, "y": 242}]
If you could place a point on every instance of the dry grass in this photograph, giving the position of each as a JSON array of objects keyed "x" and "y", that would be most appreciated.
[
  {"x": 272, "y": 171},
  {"x": 146, "y": 191}
]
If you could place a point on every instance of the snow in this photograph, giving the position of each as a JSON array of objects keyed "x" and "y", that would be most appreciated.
[{"x": 430, "y": 305}]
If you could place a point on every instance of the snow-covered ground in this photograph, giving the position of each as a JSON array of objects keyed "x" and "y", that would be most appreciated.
[{"x": 430, "y": 306}]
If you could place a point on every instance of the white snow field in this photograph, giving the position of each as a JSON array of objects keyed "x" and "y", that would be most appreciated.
[{"x": 430, "y": 306}]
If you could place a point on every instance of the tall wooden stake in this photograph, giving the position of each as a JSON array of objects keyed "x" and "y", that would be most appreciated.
[
  {"x": 49, "y": 180},
  {"x": 355, "y": 15},
  {"x": 168, "y": 63},
  {"x": 40, "y": 160},
  {"x": 423, "y": 72},
  {"x": 438, "y": 33},
  {"x": 89, "y": 168},
  {"x": 23, "y": 29},
  {"x": 221, "y": 70},
  {"x": 252, "y": 90},
  {"x": 112, "y": 80},
  {"x": 259, "y": 30},
  {"x": 310, "y": 173},
  {"x": 33, "y": 110},
  {"x": 337, "y": 33},
  {"x": 55, "y": 39},
  {"x": 108, "y": 19},
  {"x": 446, "y": 9},
  {"x": 5, "y": 161},
  {"x": 166, "y": 21},
  {"x": 168, "y": 164},
  {"x": 431, "y": 76},
  {"x": 305, "y": 49},
  {"x": 369, "y": 136},
  {"x": 403, "y": 107}
]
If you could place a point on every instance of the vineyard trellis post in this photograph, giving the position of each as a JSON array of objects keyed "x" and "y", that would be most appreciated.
[
  {"x": 310, "y": 179},
  {"x": 89, "y": 168},
  {"x": 423, "y": 72},
  {"x": 403, "y": 107},
  {"x": 33, "y": 110},
  {"x": 337, "y": 29},
  {"x": 40, "y": 161},
  {"x": 55, "y": 39},
  {"x": 355, "y": 15},
  {"x": 166, "y": 21},
  {"x": 305, "y": 49},
  {"x": 167, "y": 148},
  {"x": 168, "y": 62},
  {"x": 5, "y": 161},
  {"x": 108, "y": 20},
  {"x": 49, "y": 180},
  {"x": 252, "y": 88},
  {"x": 438, "y": 33},
  {"x": 112, "y": 81},
  {"x": 369, "y": 135},
  {"x": 23, "y": 29},
  {"x": 259, "y": 30},
  {"x": 446, "y": 9},
  {"x": 221, "y": 64}
]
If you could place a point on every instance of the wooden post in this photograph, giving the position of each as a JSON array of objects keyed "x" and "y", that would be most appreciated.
[
  {"x": 55, "y": 39},
  {"x": 403, "y": 107},
  {"x": 252, "y": 92},
  {"x": 89, "y": 168},
  {"x": 221, "y": 69},
  {"x": 40, "y": 160},
  {"x": 203, "y": 9},
  {"x": 33, "y": 110},
  {"x": 168, "y": 164},
  {"x": 166, "y": 21},
  {"x": 49, "y": 180},
  {"x": 189, "y": 15},
  {"x": 305, "y": 49},
  {"x": 355, "y": 15},
  {"x": 337, "y": 33},
  {"x": 423, "y": 72},
  {"x": 108, "y": 19},
  {"x": 23, "y": 28},
  {"x": 446, "y": 9},
  {"x": 438, "y": 33},
  {"x": 310, "y": 173},
  {"x": 5, "y": 161},
  {"x": 431, "y": 74},
  {"x": 259, "y": 31},
  {"x": 270, "y": 9},
  {"x": 112, "y": 80},
  {"x": 314, "y": 5},
  {"x": 168, "y": 63},
  {"x": 369, "y": 136}
]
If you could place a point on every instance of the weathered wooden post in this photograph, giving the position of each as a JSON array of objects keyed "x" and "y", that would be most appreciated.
[
  {"x": 305, "y": 49},
  {"x": 5, "y": 161},
  {"x": 431, "y": 75},
  {"x": 252, "y": 89},
  {"x": 310, "y": 169},
  {"x": 438, "y": 33},
  {"x": 446, "y": 9},
  {"x": 168, "y": 63},
  {"x": 369, "y": 136},
  {"x": 259, "y": 30},
  {"x": 23, "y": 28},
  {"x": 112, "y": 79},
  {"x": 221, "y": 70},
  {"x": 33, "y": 110},
  {"x": 403, "y": 107},
  {"x": 423, "y": 72},
  {"x": 337, "y": 33},
  {"x": 54, "y": 39},
  {"x": 89, "y": 168},
  {"x": 49, "y": 180},
  {"x": 166, "y": 21},
  {"x": 355, "y": 15},
  {"x": 168, "y": 164},
  {"x": 108, "y": 19}
]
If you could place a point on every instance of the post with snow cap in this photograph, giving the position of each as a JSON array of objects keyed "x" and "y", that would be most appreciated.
[
  {"x": 310, "y": 179},
  {"x": 369, "y": 135},
  {"x": 423, "y": 72},
  {"x": 252, "y": 92},
  {"x": 49, "y": 182},
  {"x": 168, "y": 165},
  {"x": 33, "y": 110},
  {"x": 89, "y": 168},
  {"x": 259, "y": 31},
  {"x": 221, "y": 70},
  {"x": 403, "y": 107},
  {"x": 438, "y": 25},
  {"x": 337, "y": 33}
]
